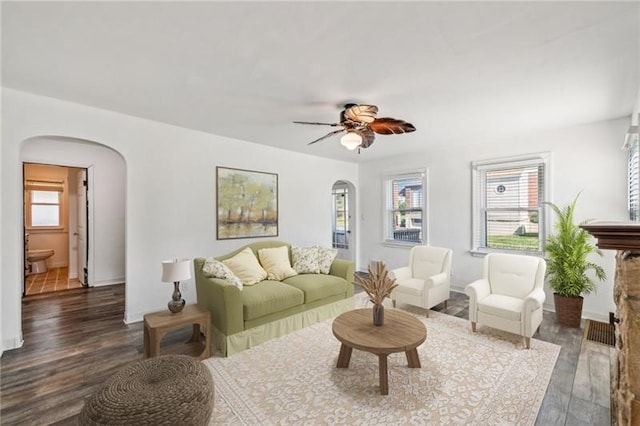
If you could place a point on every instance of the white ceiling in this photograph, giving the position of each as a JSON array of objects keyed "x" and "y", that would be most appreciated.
[{"x": 459, "y": 71}]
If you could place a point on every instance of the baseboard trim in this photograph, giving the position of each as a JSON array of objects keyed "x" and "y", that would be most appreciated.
[{"x": 8, "y": 344}]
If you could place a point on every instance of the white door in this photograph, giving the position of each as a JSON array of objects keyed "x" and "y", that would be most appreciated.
[{"x": 83, "y": 212}]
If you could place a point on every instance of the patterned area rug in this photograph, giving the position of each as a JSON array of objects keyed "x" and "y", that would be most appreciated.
[{"x": 486, "y": 378}]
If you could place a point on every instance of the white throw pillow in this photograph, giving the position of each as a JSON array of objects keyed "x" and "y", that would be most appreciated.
[
  {"x": 276, "y": 262},
  {"x": 305, "y": 260},
  {"x": 216, "y": 269},
  {"x": 325, "y": 258},
  {"x": 245, "y": 266}
]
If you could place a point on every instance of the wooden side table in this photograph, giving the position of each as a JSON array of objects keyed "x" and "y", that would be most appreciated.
[
  {"x": 401, "y": 332},
  {"x": 157, "y": 324}
]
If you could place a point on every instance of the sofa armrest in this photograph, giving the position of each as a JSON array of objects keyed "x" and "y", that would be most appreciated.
[
  {"x": 437, "y": 280},
  {"x": 400, "y": 274},
  {"x": 222, "y": 298},
  {"x": 477, "y": 290},
  {"x": 344, "y": 269},
  {"x": 534, "y": 300}
]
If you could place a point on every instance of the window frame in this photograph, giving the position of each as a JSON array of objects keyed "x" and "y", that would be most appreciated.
[
  {"x": 46, "y": 186},
  {"x": 387, "y": 213},
  {"x": 479, "y": 169}
]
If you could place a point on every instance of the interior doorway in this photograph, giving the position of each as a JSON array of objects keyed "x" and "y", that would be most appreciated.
[
  {"x": 55, "y": 227},
  {"x": 343, "y": 219}
]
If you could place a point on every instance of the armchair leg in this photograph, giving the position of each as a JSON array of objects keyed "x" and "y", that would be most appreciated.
[
  {"x": 473, "y": 326},
  {"x": 527, "y": 342},
  {"x": 445, "y": 303},
  {"x": 393, "y": 302}
]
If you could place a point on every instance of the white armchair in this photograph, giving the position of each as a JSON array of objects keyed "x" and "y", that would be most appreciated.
[
  {"x": 427, "y": 279},
  {"x": 510, "y": 294}
]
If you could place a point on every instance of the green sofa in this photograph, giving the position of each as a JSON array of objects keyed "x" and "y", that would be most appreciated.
[{"x": 244, "y": 318}]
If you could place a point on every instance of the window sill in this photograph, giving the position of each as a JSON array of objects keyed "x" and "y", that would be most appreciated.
[
  {"x": 43, "y": 230},
  {"x": 406, "y": 244},
  {"x": 483, "y": 252}
]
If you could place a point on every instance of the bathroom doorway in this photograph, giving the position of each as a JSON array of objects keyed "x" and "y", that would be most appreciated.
[{"x": 55, "y": 227}]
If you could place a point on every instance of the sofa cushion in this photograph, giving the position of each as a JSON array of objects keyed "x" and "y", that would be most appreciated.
[
  {"x": 317, "y": 286},
  {"x": 305, "y": 260},
  {"x": 245, "y": 266},
  {"x": 215, "y": 268},
  {"x": 325, "y": 259},
  {"x": 276, "y": 262},
  {"x": 268, "y": 297}
]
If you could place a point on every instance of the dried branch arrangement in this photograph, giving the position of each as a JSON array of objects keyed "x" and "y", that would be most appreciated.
[{"x": 377, "y": 284}]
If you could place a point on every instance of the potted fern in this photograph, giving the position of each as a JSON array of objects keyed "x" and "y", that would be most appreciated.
[{"x": 567, "y": 252}]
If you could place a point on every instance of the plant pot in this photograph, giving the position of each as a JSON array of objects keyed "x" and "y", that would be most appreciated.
[{"x": 568, "y": 310}]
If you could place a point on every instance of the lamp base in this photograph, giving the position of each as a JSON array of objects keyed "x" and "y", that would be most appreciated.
[{"x": 177, "y": 302}]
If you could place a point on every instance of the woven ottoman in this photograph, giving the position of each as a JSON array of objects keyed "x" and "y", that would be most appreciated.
[{"x": 165, "y": 390}]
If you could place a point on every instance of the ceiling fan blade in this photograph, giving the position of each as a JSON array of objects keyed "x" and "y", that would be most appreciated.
[
  {"x": 327, "y": 136},
  {"x": 367, "y": 138},
  {"x": 317, "y": 124},
  {"x": 391, "y": 126},
  {"x": 361, "y": 113}
]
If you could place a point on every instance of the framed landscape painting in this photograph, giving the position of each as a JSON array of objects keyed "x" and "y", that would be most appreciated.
[{"x": 247, "y": 203}]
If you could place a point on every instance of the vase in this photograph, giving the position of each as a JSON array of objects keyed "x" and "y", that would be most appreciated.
[{"x": 378, "y": 314}]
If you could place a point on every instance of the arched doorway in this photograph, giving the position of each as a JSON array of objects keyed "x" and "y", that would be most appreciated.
[
  {"x": 343, "y": 198},
  {"x": 101, "y": 235}
]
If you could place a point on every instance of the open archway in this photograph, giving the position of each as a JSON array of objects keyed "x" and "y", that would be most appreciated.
[
  {"x": 343, "y": 229},
  {"x": 104, "y": 230}
]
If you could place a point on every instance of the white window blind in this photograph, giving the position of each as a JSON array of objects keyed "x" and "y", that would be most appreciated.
[
  {"x": 405, "y": 207},
  {"x": 508, "y": 204}
]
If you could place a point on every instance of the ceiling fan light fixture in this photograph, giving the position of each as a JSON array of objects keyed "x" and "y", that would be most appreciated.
[{"x": 351, "y": 140}]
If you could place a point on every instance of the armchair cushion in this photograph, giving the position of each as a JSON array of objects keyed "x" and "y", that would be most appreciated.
[
  {"x": 413, "y": 286},
  {"x": 501, "y": 306}
]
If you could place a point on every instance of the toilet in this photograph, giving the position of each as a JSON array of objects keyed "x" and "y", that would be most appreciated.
[{"x": 38, "y": 259}]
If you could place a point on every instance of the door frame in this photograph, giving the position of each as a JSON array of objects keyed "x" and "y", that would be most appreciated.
[{"x": 90, "y": 231}]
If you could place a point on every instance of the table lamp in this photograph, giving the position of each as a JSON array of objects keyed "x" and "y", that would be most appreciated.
[{"x": 175, "y": 271}]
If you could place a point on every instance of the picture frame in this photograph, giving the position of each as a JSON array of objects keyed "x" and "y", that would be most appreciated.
[{"x": 246, "y": 203}]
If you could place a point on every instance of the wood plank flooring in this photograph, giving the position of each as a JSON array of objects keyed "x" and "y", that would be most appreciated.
[{"x": 76, "y": 339}]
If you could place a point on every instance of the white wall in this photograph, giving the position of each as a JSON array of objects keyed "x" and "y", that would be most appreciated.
[
  {"x": 170, "y": 194},
  {"x": 109, "y": 177},
  {"x": 586, "y": 158}
]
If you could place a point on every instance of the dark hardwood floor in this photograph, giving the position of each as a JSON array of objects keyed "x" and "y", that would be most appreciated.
[{"x": 75, "y": 339}]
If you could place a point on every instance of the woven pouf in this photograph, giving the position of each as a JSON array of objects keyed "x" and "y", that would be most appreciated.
[{"x": 166, "y": 390}]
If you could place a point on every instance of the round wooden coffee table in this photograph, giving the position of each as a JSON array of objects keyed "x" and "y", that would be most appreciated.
[{"x": 401, "y": 332}]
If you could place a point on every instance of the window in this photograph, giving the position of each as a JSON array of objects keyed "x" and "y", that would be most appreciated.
[
  {"x": 633, "y": 172},
  {"x": 508, "y": 209},
  {"x": 44, "y": 204},
  {"x": 405, "y": 208}
]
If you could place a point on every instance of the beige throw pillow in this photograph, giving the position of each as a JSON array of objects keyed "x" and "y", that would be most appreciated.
[
  {"x": 276, "y": 262},
  {"x": 245, "y": 266}
]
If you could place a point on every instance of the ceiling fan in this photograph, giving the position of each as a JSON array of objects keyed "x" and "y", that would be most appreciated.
[{"x": 361, "y": 124}]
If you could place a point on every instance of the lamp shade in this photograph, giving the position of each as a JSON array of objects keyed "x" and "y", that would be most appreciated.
[
  {"x": 351, "y": 140},
  {"x": 175, "y": 270}
]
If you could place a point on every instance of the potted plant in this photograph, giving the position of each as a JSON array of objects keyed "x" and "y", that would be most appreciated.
[{"x": 567, "y": 252}]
